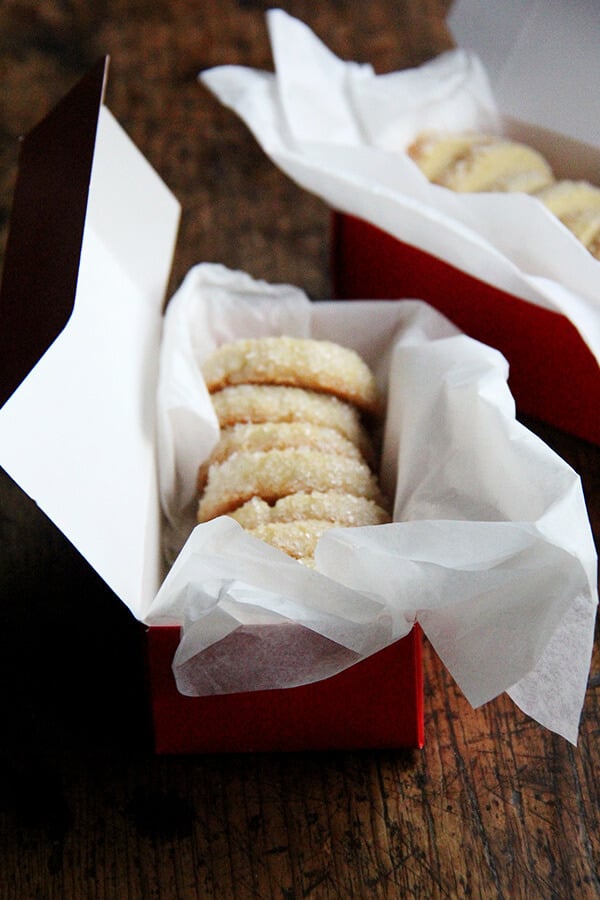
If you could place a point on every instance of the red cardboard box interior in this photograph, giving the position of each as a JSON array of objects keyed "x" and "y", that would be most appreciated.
[
  {"x": 376, "y": 703},
  {"x": 553, "y": 375}
]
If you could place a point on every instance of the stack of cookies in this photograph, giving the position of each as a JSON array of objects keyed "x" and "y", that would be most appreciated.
[
  {"x": 296, "y": 455},
  {"x": 470, "y": 162},
  {"x": 577, "y": 205}
]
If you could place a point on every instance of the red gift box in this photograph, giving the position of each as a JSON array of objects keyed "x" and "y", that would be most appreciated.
[
  {"x": 377, "y": 702},
  {"x": 553, "y": 374},
  {"x": 84, "y": 193}
]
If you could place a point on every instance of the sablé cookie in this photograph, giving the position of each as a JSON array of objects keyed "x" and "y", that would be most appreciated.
[
  {"x": 294, "y": 458},
  {"x": 331, "y": 506},
  {"x": 436, "y": 153},
  {"x": 577, "y": 205},
  {"x": 276, "y": 473},
  {"x": 277, "y": 436},
  {"x": 468, "y": 162},
  {"x": 321, "y": 366},
  {"x": 246, "y": 403},
  {"x": 298, "y": 539},
  {"x": 566, "y": 197},
  {"x": 472, "y": 163},
  {"x": 586, "y": 228}
]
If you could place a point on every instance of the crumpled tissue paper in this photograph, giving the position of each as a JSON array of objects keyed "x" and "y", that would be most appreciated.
[{"x": 490, "y": 550}]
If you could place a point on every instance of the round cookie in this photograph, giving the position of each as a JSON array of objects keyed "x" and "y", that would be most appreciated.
[
  {"x": 577, "y": 205},
  {"x": 586, "y": 228},
  {"x": 436, "y": 153},
  {"x": 246, "y": 403},
  {"x": 321, "y": 366},
  {"x": 473, "y": 163},
  {"x": 498, "y": 166},
  {"x": 276, "y": 436},
  {"x": 298, "y": 539},
  {"x": 345, "y": 510},
  {"x": 568, "y": 198},
  {"x": 276, "y": 473}
]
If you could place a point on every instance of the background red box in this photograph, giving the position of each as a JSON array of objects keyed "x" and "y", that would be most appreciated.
[{"x": 553, "y": 377}]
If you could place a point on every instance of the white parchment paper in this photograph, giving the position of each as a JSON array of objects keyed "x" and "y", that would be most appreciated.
[
  {"x": 490, "y": 551},
  {"x": 340, "y": 131}
]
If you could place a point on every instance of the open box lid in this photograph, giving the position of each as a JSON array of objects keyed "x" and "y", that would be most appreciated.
[
  {"x": 88, "y": 258},
  {"x": 542, "y": 58}
]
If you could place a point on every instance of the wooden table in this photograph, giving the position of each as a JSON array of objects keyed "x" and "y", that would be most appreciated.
[{"x": 494, "y": 806}]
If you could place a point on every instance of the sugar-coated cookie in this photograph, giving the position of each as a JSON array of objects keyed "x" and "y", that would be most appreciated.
[
  {"x": 437, "y": 153},
  {"x": 294, "y": 457},
  {"x": 472, "y": 163},
  {"x": 317, "y": 365},
  {"x": 276, "y": 473},
  {"x": 245, "y": 403},
  {"x": 298, "y": 539},
  {"x": 277, "y": 436},
  {"x": 342, "y": 509},
  {"x": 586, "y": 227},
  {"x": 577, "y": 205}
]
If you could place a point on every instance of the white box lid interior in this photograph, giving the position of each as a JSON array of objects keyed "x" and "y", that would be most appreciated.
[
  {"x": 78, "y": 433},
  {"x": 542, "y": 57}
]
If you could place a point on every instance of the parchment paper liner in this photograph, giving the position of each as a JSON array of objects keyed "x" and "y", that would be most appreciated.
[{"x": 491, "y": 552}]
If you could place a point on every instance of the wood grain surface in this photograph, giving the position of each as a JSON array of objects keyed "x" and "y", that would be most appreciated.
[{"x": 494, "y": 806}]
